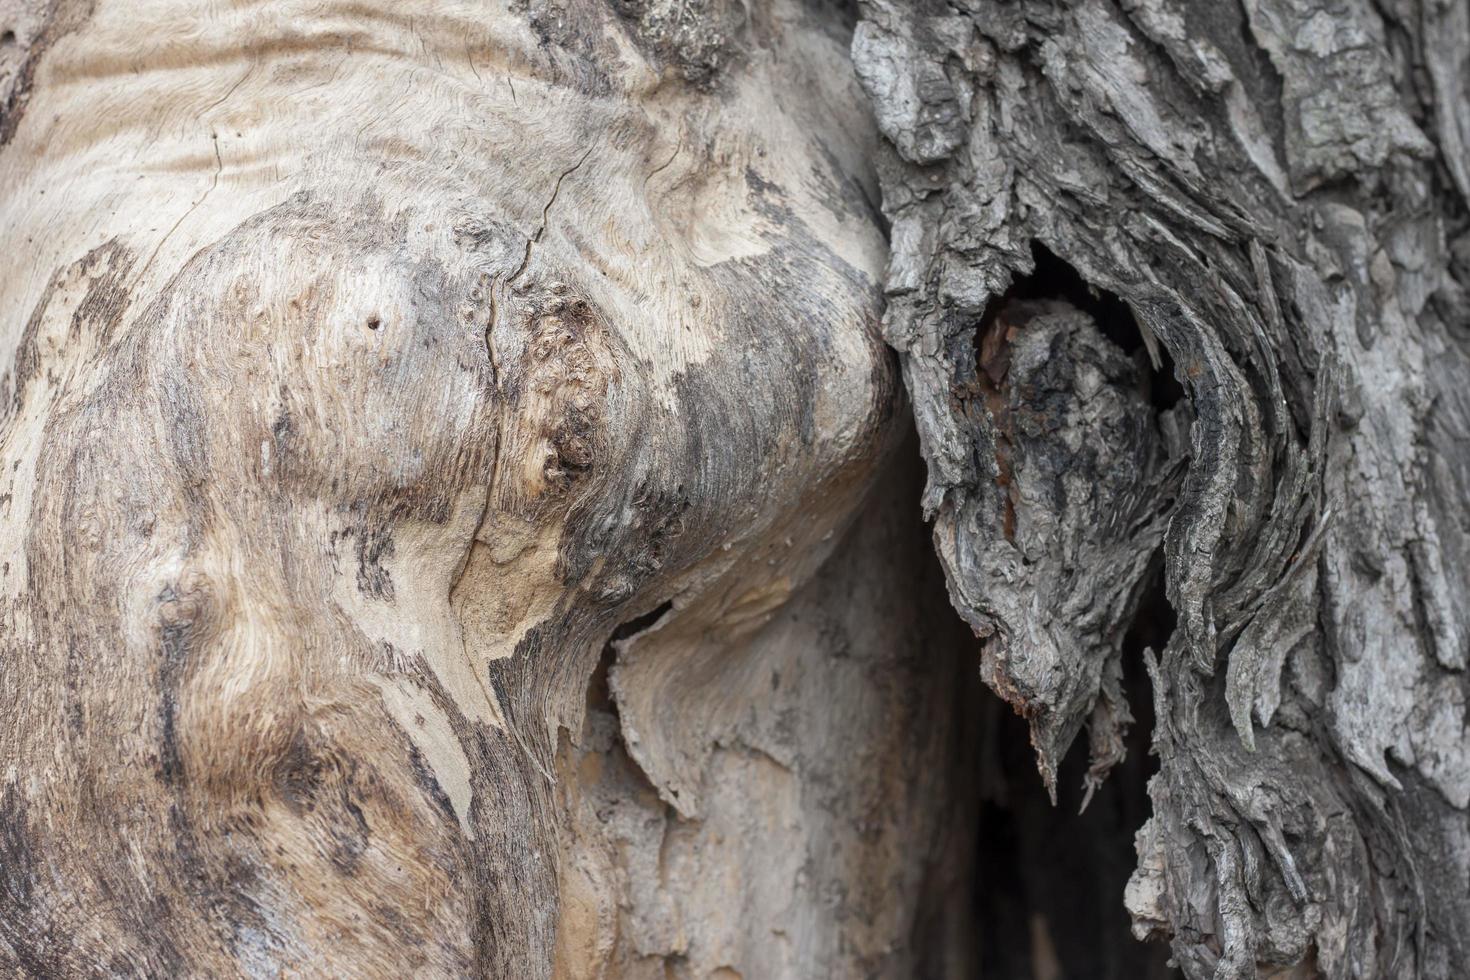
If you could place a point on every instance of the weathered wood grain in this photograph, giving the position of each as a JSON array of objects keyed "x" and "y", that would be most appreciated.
[{"x": 366, "y": 366}]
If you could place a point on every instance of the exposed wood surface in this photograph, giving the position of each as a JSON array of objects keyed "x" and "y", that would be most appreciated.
[{"x": 366, "y": 366}]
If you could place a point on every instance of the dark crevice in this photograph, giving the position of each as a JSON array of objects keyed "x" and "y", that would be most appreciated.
[
  {"x": 1049, "y": 880},
  {"x": 1052, "y": 278},
  {"x": 1151, "y": 628},
  {"x": 600, "y": 701},
  {"x": 599, "y": 695},
  {"x": 640, "y": 623}
]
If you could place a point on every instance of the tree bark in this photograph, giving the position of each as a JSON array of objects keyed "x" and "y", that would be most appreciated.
[{"x": 1267, "y": 201}]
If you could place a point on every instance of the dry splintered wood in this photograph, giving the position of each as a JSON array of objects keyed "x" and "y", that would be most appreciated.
[{"x": 452, "y": 520}]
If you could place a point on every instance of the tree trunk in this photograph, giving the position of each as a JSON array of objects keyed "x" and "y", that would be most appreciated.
[
  {"x": 1265, "y": 203},
  {"x": 456, "y": 517},
  {"x": 370, "y": 367}
]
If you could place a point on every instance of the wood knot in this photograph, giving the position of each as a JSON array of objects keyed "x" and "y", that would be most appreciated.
[
  {"x": 558, "y": 416},
  {"x": 186, "y": 603}
]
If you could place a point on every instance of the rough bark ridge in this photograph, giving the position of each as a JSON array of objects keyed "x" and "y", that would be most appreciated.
[{"x": 1277, "y": 190}]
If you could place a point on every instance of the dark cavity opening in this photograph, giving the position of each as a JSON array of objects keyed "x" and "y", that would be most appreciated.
[
  {"x": 599, "y": 693},
  {"x": 640, "y": 623},
  {"x": 1151, "y": 628},
  {"x": 1049, "y": 880},
  {"x": 7, "y": 39},
  {"x": 1055, "y": 279}
]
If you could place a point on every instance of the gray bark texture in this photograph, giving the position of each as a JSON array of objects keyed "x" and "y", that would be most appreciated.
[{"x": 1185, "y": 281}]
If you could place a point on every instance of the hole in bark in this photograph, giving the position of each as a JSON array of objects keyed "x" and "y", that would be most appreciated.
[
  {"x": 1152, "y": 626},
  {"x": 1054, "y": 278},
  {"x": 7, "y": 39},
  {"x": 1049, "y": 881},
  {"x": 374, "y": 322},
  {"x": 599, "y": 694}
]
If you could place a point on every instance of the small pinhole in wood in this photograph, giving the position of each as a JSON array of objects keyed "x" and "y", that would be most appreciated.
[
  {"x": 374, "y": 322},
  {"x": 7, "y": 38}
]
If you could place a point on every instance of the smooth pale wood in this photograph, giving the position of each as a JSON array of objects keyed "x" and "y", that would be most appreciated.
[{"x": 366, "y": 364}]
